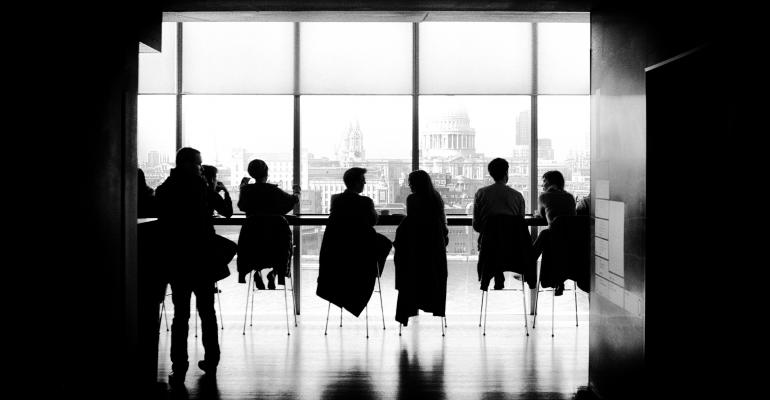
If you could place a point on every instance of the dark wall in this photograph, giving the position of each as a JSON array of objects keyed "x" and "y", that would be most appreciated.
[
  {"x": 74, "y": 215},
  {"x": 669, "y": 141}
]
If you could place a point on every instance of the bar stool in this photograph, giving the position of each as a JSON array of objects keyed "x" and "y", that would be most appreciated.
[
  {"x": 382, "y": 309},
  {"x": 524, "y": 304},
  {"x": 250, "y": 288}
]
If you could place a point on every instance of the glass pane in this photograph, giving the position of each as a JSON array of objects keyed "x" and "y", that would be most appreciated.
[
  {"x": 157, "y": 71},
  {"x": 230, "y": 131},
  {"x": 156, "y": 136},
  {"x": 238, "y": 57},
  {"x": 564, "y": 140},
  {"x": 339, "y": 132},
  {"x": 460, "y": 135},
  {"x": 563, "y": 56},
  {"x": 356, "y": 58},
  {"x": 475, "y": 57}
]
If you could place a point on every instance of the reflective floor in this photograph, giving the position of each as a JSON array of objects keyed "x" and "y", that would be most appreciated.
[{"x": 464, "y": 364}]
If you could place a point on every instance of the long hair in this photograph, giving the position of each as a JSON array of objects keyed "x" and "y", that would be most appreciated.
[{"x": 421, "y": 185}]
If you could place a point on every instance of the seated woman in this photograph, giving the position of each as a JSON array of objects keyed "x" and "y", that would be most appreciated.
[
  {"x": 421, "y": 240},
  {"x": 265, "y": 240}
]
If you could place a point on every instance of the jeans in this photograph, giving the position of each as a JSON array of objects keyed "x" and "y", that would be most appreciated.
[{"x": 204, "y": 300}]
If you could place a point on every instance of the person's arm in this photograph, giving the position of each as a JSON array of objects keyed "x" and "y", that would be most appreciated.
[
  {"x": 541, "y": 206},
  {"x": 227, "y": 202},
  {"x": 286, "y": 201},
  {"x": 477, "y": 204},
  {"x": 372, "y": 218},
  {"x": 218, "y": 203},
  {"x": 243, "y": 202}
]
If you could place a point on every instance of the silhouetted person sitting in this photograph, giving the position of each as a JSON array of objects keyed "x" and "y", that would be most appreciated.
[
  {"x": 420, "y": 259},
  {"x": 146, "y": 207},
  {"x": 553, "y": 202},
  {"x": 496, "y": 199},
  {"x": 352, "y": 252},
  {"x": 265, "y": 240},
  {"x": 184, "y": 215},
  {"x": 223, "y": 206},
  {"x": 583, "y": 206}
]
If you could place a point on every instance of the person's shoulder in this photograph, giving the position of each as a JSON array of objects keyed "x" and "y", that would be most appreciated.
[{"x": 484, "y": 189}]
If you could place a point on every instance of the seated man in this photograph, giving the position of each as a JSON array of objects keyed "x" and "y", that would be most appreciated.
[
  {"x": 351, "y": 249},
  {"x": 553, "y": 202},
  {"x": 222, "y": 205},
  {"x": 496, "y": 199}
]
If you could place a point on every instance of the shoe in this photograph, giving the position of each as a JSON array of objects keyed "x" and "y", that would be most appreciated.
[
  {"x": 499, "y": 286},
  {"x": 176, "y": 379},
  {"x": 559, "y": 290},
  {"x": 207, "y": 367},
  {"x": 271, "y": 280},
  {"x": 258, "y": 281}
]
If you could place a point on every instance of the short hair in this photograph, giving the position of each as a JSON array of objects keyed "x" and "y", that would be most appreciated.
[
  {"x": 353, "y": 175},
  {"x": 498, "y": 168},
  {"x": 209, "y": 171},
  {"x": 554, "y": 178},
  {"x": 187, "y": 155},
  {"x": 257, "y": 169}
]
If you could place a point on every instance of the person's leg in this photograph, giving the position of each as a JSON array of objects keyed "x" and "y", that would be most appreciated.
[
  {"x": 204, "y": 296},
  {"x": 540, "y": 242},
  {"x": 499, "y": 280},
  {"x": 180, "y": 296},
  {"x": 271, "y": 279}
]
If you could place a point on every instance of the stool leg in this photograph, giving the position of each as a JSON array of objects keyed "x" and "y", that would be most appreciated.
[
  {"x": 195, "y": 315},
  {"x": 293, "y": 300},
  {"x": 524, "y": 304},
  {"x": 286, "y": 309},
  {"x": 485, "y": 316},
  {"x": 441, "y": 321},
  {"x": 553, "y": 309},
  {"x": 246, "y": 311},
  {"x": 340, "y": 317},
  {"x": 576, "y": 312},
  {"x": 534, "y": 306},
  {"x": 481, "y": 309},
  {"x": 326, "y": 329},
  {"x": 382, "y": 309},
  {"x": 445, "y": 325},
  {"x": 253, "y": 294},
  {"x": 219, "y": 301},
  {"x": 367, "y": 321}
]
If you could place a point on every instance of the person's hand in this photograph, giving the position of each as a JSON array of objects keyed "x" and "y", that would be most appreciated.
[
  {"x": 245, "y": 181},
  {"x": 297, "y": 189},
  {"x": 220, "y": 187}
]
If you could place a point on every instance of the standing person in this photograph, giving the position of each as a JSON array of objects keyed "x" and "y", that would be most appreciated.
[
  {"x": 496, "y": 199},
  {"x": 184, "y": 216},
  {"x": 421, "y": 240},
  {"x": 553, "y": 202},
  {"x": 223, "y": 206},
  {"x": 265, "y": 240}
]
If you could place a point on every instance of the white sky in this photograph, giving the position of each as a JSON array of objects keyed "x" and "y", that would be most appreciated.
[{"x": 263, "y": 124}]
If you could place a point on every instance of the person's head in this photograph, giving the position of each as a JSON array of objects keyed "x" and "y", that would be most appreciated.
[
  {"x": 354, "y": 179},
  {"x": 189, "y": 160},
  {"x": 498, "y": 169},
  {"x": 141, "y": 179},
  {"x": 210, "y": 174},
  {"x": 553, "y": 178},
  {"x": 420, "y": 183},
  {"x": 258, "y": 170}
]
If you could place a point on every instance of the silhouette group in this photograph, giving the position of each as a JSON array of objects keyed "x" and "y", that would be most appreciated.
[{"x": 352, "y": 255}]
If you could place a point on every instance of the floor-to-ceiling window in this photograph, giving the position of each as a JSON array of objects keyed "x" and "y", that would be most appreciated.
[{"x": 369, "y": 94}]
